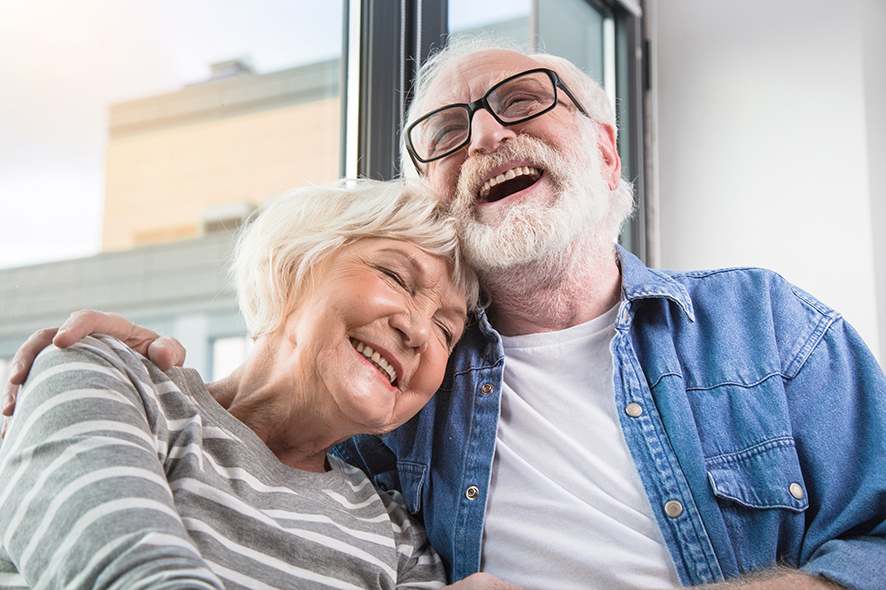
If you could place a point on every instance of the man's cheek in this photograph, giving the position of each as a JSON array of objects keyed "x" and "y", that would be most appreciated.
[{"x": 443, "y": 181}]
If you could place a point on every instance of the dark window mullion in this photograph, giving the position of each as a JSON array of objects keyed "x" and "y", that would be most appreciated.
[{"x": 396, "y": 36}]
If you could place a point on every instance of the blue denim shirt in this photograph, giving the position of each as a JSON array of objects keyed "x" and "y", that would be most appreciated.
[{"x": 761, "y": 437}]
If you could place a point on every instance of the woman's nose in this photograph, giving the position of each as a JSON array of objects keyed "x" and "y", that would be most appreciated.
[
  {"x": 487, "y": 134},
  {"x": 414, "y": 328}
]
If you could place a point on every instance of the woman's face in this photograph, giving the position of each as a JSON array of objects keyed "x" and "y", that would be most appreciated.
[{"x": 374, "y": 331}]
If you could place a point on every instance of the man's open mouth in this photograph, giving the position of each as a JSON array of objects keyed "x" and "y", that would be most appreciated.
[
  {"x": 507, "y": 183},
  {"x": 376, "y": 359}
]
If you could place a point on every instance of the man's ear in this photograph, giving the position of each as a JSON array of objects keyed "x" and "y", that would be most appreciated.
[{"x": 611, "y": 163}]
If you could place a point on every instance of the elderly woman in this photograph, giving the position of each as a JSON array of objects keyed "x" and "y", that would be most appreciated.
[{"x": 118, "y": 475}]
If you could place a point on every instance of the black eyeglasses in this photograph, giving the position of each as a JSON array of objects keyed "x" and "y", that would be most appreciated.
[{"x": 514, "y": 100}]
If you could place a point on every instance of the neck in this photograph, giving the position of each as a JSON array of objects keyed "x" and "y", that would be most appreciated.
[
  {"x": 568, "y": 288},
  {"x": 268, "y": 399}
]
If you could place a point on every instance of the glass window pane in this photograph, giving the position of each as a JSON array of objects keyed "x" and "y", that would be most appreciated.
[
  {"x": 575, "y": 30},
  {"x": 509, "y": 19},
  {"x": 125, "y": 122},
  {"x": 228, "y": 354}
]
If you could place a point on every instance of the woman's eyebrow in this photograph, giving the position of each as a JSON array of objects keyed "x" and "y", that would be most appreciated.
[{"x": 412, "y": 261}]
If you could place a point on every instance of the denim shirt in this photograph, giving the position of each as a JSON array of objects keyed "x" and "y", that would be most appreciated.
[{"x": 755, "y": 415}]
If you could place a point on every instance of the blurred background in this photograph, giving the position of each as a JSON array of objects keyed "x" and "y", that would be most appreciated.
[{"x": 136, "y": 136}]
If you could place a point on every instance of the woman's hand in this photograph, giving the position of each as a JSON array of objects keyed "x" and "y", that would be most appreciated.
[
  {"x": 164, "y": 351},
  {"x": 481, "y": 581}
]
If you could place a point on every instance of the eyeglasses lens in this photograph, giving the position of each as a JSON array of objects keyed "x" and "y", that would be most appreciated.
[{"x": 512, "y": 101}]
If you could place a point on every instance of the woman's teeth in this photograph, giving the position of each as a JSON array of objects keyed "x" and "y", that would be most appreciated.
[{"x": 376, "y": 359}]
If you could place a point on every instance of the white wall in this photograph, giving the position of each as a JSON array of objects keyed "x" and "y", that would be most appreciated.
[{"x": 769, "y": 137}]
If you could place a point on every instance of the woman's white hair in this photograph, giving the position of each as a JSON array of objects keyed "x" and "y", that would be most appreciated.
[{"x": 299, "y": 230}]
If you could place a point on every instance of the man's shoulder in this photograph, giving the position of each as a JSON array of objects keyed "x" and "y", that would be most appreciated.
[
  {"x": 744, "y": 312},
  {"x": 748, "y": 288}
]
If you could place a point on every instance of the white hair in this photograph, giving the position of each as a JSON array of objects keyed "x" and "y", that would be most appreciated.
[
  {"x": 297, "y": 231},
  {"x": 586, "y": 90}
]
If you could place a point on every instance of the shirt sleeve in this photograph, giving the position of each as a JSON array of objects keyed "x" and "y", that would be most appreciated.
[
  {"x": 839, "y": 409},
  {"x": 84, "y": 501},
  {"x": 419, "y": 566}
]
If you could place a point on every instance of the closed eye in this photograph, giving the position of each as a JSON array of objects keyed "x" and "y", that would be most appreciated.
[
  {"x": 394, "y": 275},
  {"x": 447, "y": 335}
]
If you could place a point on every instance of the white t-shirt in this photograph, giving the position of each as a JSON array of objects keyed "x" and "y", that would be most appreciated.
[{"x": 560, "y": 450}]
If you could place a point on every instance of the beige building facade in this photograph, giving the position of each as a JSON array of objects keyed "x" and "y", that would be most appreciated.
[
  {"x": 182, "y": 164},
  {"x": 182, "y": 171}
]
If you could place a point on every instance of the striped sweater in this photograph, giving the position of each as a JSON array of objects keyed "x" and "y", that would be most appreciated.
[{"x": 115, "y": 474}]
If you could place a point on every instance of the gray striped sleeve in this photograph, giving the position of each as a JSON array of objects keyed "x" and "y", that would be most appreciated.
[{"x": 84, "y": 501}]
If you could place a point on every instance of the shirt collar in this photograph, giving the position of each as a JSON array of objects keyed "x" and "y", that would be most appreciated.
[
  {"x": 640, "y": 282},
  {"x": 637, "y": 282}
]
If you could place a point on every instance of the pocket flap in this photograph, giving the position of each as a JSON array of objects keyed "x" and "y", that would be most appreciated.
[
  {"x": 766, "y": 475},
  {"x": 412, "y": 478}
]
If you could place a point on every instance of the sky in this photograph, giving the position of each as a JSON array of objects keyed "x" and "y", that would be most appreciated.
[{"x": 63, "y": 62}]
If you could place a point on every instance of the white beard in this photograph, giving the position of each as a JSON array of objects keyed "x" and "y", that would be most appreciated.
[{"x": 528, "y": 231}]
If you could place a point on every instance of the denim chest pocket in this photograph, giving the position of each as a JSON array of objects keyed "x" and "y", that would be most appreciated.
[{"x": 766, "y": 475}]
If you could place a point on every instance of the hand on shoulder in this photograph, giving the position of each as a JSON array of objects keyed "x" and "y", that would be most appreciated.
[{"x": 164, "y": 351}]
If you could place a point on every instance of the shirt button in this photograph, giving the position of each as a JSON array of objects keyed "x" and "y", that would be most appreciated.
[
  {"x": 472, "y": 492},
  {"x": 634, "y": 410},
  {"x": 673, "y": 508},
  {"x": 487, "y": 389},
  {"x": 796, "y": 490}
]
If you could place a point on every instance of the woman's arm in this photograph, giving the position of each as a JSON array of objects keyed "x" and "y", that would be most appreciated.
[{"x": 85, "y": 502}]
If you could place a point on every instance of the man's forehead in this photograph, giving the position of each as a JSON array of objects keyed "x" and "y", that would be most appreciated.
[{"x": 469, "y": 77}]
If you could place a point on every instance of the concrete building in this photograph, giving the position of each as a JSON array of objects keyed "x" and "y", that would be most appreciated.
[
  {"x": 179, "y": 163},
  {"x": 183, "y": 171}
]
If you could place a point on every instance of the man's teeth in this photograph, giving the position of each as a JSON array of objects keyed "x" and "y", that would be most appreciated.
[
  {"x": 376, "y": 359},
  {"x": 509, "y": 175}
]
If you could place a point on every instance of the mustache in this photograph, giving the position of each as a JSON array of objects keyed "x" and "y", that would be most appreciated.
[{"x": 525, "y": 148}]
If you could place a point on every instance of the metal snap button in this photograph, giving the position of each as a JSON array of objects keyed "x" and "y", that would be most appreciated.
[
  {"x": 634, "y": 410},
  {"x": 486, "y": 389},
  {"x": 673, "y": 508},
  {"x": 796, "y": 490},
  {"x": 472, "y": 492}
]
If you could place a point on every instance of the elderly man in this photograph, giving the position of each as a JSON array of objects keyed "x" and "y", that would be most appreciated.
[{"x": 605, "y": 425}]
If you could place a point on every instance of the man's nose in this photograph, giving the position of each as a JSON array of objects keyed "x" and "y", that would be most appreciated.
[{"x": 487, "y": 134}]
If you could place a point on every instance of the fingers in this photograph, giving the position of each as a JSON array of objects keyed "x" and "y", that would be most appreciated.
[
  {"x": 21, "y": 366},
  {"x": 87, "y": 321},
  {"x": 481, "y": 581},
  {"x": 166, "y": 352},
  {"x": 10, "y": 392}
]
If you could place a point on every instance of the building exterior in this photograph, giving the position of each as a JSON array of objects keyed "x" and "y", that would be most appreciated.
[
  {"x": 180, "y": 162},
  {"x": 183, "y": 171}
]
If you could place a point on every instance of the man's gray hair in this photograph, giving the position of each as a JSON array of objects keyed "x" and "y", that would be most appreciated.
[
  {"x": 588, "y": 92},
  {"x": 299, "y": 230}
]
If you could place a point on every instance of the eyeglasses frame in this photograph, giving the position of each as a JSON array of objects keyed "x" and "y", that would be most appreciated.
[{"x": 483, "y": 103}]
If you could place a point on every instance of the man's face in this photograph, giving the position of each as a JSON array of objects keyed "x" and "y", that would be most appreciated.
[{"x": 525, "y": 190}]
